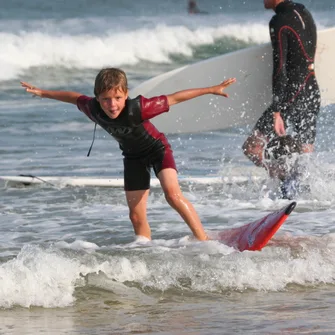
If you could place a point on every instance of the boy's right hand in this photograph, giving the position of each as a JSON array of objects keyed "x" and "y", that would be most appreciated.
[
  {"x": 219, "y": 89},
  {"x": 31, "y": 89}
]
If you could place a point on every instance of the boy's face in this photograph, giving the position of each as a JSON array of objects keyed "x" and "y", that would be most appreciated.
[{"x": 113, "y": 101}]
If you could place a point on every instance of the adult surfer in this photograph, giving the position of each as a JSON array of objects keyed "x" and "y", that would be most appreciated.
[{"x": 296, "y": 95}]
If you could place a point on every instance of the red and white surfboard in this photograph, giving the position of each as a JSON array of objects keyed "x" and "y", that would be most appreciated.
[{"x": 256, "y": 235}]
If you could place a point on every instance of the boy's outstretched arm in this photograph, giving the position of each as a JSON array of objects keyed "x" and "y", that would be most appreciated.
[
  {"x": 65, "y": 96},
  {"x": 185, "y": 95}
]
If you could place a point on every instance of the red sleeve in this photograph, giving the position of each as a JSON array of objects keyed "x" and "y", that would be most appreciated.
[
  {"x": 83, "y": 104},
  {"x": 153, "y": 106}
]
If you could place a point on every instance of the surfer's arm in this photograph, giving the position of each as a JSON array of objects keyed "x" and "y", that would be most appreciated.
[
  {"x": 160, "y": 104},
  {"x": 64, "y": 96},
  {"x": 278, "y": 34},
  {"x": 278, "y": 124},
  {"x": 192, "y": 93},
  {"x": 149, "y": 108},
  {"x": 279, "y": 42}
]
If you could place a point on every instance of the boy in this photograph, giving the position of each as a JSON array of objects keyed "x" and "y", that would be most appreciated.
[{"x": 142, "y": 145}]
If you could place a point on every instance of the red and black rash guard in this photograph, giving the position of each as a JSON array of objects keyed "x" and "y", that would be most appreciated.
[
  {"x": 294, "y": 38},
  {"x": 136, "y": 135}
]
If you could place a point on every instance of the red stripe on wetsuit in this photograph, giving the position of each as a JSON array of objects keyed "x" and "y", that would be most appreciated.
[{"x": 304, "y": 52}]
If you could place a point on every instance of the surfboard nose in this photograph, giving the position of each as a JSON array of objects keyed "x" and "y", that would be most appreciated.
[{"x": 290, "y": 208}]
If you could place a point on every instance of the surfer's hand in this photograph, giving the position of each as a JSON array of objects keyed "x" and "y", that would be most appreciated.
[
  {"x": 31, "y": 89},
  {"x": 278, "y": 124},
  {"x": 219, "y": 89}
]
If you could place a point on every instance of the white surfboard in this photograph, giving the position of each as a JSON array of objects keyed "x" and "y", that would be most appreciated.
[
  {"x": 118, "y": 182},
  {"x": 248, "y": 98}
]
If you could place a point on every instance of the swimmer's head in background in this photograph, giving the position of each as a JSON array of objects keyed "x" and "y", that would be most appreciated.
[{"x": 282, "y": 147}]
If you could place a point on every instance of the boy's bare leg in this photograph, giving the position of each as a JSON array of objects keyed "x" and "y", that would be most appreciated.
[
  {"x": 137, "y": 203},
  {"x": 169, "y": 182}
]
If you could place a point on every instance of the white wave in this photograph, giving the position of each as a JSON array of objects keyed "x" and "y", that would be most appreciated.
[
  {"x": 48, "y": 278},
  {"x": 213, "y": 267},
  {"x": 37, "y": 278},
  {"x": 77, "y": 245},
  {"x": 25, "y": 50}
]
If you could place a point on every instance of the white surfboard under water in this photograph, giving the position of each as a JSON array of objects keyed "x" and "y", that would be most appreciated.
[
  {"x": 248, "y": 98},
  {"x": 118, "y": 182}
]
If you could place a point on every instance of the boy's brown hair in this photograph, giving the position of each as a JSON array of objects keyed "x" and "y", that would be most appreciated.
[{"x": 110, "y": 78}]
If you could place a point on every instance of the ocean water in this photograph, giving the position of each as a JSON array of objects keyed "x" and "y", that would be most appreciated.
[{"x": 68, "y": 260}]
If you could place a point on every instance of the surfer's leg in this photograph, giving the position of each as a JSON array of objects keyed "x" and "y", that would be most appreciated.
[
  {"x": 307, "y": 148},
  {"x": 137, "y": 185},
  {"x": 305, "y": 126},
  {"x": 254, "y": 146},
  {"x": 256, "y": 149},
  {"x": 303, "y": 117},
  {"x": 169, "y": 182},
  {"x": 137, "y": 203}
]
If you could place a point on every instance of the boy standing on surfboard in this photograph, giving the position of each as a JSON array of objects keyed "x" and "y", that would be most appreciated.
[
  {"x": 142, "y": 145},
  {"x": 296, "y": 95}
]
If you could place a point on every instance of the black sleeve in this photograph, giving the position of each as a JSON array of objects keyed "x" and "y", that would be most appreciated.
[{"x": 279, "y": 77}]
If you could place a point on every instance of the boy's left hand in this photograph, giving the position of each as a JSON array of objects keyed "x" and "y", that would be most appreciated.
[{"x": 219, "y": 89}]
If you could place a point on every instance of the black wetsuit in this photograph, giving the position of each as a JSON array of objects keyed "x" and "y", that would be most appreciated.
[
  {"x": 296, "y": 93},
  {"x": 142, "y": 145}
]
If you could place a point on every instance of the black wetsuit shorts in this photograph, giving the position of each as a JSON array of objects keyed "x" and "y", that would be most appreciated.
[{"x": 137, "y": 171}]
